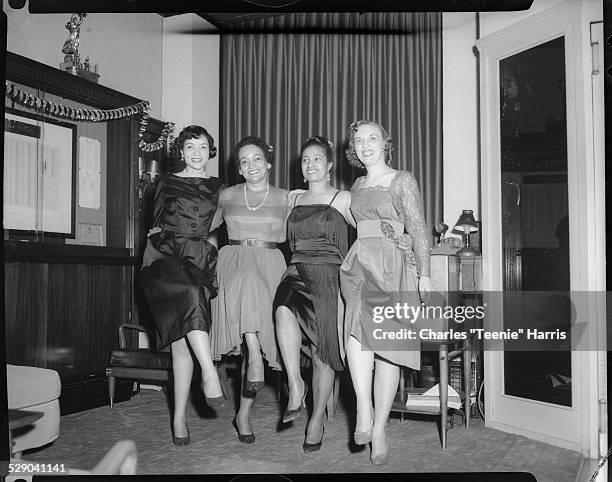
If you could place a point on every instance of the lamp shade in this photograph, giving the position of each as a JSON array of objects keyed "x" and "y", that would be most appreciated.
[{"x": 466, "y": 222}]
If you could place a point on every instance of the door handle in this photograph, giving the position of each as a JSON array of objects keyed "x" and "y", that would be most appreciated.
[{"x": 518, "y": 191}]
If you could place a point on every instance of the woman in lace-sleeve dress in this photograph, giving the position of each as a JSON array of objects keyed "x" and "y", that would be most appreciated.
[{"x": 385, "y": 202}]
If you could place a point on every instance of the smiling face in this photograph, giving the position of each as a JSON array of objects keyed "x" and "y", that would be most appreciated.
[
  {"x": 195, "y": 153},
  {"x": 369, "y": 145},
  {"x": 314, "y": 163},
  {"x": 252, "y": 164}
]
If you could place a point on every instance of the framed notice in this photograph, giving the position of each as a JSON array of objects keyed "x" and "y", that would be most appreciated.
[
  {"x": 90, "y": 234},
  {"x": 39, "y": 174}
]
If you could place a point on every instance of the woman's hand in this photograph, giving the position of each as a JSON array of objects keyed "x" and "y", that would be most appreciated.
[
  {"x": 153, "y": 231},
  {"x": 425, "y": 288},
  {"x": 291, "y": 195},
  {"x": 404, "y": 242}
]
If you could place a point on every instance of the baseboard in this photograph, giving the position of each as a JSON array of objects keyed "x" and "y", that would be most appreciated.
[{"x": 91, "y": 393}]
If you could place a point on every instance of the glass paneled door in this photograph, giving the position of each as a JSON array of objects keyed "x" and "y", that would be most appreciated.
[
  {"x": 541, "y": 213},
  {"x": 535, "y": 228}
]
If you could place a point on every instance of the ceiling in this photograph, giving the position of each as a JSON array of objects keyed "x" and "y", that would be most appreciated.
[
  {"x": 269, "y": 6},
  {"x": 333, "y": 15},
  {"x": 287, "y": 15},
  {"x": 348, "y": 22}
]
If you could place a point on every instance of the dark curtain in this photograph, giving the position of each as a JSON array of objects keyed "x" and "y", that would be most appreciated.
[{"x": 286, "y": 87}]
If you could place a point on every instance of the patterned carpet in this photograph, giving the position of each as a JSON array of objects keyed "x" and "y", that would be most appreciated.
[{"x": 214, "y": 449}]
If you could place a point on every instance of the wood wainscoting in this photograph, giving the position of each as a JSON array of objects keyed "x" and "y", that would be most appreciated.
[{"x": 63, "y": 304}]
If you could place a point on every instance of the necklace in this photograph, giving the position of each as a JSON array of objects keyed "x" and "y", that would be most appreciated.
[{"x": 255, "y": 208}]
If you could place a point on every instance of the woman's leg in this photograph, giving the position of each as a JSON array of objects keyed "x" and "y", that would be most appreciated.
[
  {"x": 255, "y": 370},
  {"x": 200, "y": 344},
  {"x": 289, "y": 341},
  {"x": 386, "y": 380},
  {"x": 243, "y": 417},
  {"x": 182, "y": 369},
  {"x": 361, "y": 364},
  {"x": 323, "y": 377}
]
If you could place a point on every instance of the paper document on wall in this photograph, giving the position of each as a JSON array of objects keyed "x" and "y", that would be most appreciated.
[
  {"x": 89, "y": 173},
  {"x": 431, "y": 398}
]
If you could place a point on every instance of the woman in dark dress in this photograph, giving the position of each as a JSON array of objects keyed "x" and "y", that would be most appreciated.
[
  {"x": 178, "y": 274},
  {"x": 306, "y": 300}
]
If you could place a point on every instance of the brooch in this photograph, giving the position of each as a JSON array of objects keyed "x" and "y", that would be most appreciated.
[{"x": 387, "y": 229}]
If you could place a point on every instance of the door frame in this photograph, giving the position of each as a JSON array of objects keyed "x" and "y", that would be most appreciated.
[{"x": 574, "y": 427}]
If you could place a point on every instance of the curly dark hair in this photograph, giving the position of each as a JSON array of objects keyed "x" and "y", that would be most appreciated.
[
  {"x": 190, "y": 132},
  {"x": 323, "y": 142},
  {"x": 267, "y": 149},
  {"x": 351, "y": 155}
]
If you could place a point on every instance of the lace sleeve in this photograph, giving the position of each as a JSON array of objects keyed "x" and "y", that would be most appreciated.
[{"x": 409, "y": 203}]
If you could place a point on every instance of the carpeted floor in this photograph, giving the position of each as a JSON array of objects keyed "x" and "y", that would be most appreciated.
[{"x": 414, "y": 444}]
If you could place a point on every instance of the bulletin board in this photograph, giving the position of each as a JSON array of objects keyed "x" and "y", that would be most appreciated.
[
  {"x": 39, "y": 205},
  {"x": 39, "y": 174}
]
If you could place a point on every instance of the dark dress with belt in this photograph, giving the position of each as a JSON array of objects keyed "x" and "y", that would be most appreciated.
[
  {"x": 178, "y": 274},
  {"x": 318, "y": 239}
]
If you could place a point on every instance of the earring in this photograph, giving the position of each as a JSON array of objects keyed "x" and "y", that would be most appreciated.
[
  {"x": 328, "y": 177},
  {"x": 305, "y": 181}
]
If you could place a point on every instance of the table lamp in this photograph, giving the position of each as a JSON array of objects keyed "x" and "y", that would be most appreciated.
[{"x": 466, "y": 225}]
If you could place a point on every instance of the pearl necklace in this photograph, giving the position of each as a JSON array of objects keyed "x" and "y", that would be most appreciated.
[{"x": 255, "y": 208}]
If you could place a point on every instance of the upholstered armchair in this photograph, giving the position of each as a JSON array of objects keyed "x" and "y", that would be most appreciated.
[{"x": 37, "y": 390}]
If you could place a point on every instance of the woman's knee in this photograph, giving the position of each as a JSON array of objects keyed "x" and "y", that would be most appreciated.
[
  {"x": 180, "y": 349},
  {"x": 282, "y": 314}
]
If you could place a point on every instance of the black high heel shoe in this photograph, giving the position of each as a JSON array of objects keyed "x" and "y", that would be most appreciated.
[
  {"x": 245, "y": 439},
  {"x": 254, "y": 386},
  {"x": 308, "y": 447},
  {"x": 180, "y": 441},
  {"x": 293, "y": 413}
]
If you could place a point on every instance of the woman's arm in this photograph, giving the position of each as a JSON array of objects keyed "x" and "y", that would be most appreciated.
[
  {"x": 343, "y": 204},
  {"x": 409, "y": 202},
  {"x": 218, "y": 217},
  {"x": 213, "y": 238}
]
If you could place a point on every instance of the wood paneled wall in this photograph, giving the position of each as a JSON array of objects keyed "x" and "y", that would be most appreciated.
[
  {"x": 63, "y": 303},
  {"x": 64, "y": 315}
]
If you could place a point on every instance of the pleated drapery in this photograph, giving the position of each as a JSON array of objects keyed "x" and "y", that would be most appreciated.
[{"x": 286, "y": 87}]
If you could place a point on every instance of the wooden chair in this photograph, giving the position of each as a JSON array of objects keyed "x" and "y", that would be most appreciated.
[
  {"x": 137, "y": 363},
  {"x": 445, "y": 276},
  {"x": 458, "y": 349}
]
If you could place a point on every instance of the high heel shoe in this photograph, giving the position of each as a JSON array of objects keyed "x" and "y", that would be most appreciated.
[
  {"x": 245, "y": 439},
  {"x": 179, "y": 441},
  {"x": 380, "y": 459},
  {"x": 215, "y": 402},
  {"x": 293, "y": 413},
  {"x": 308, "y": 447},
  {"x": 363, "y": 438},
  {"x": 254, "y": 386}
]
